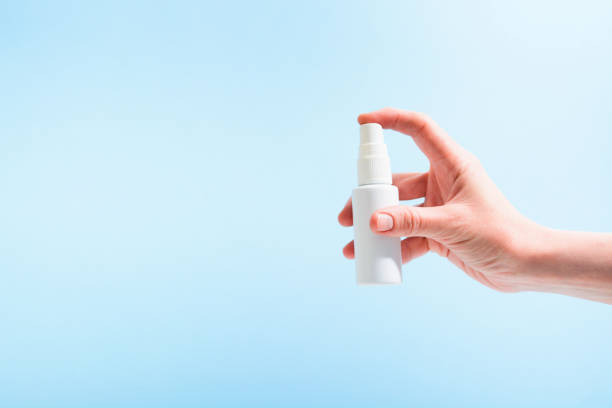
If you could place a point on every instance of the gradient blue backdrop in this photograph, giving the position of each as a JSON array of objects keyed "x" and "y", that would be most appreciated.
[{"x": 171, "y": 172}]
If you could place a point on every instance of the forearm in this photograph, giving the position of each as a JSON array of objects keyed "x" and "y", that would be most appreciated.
[{"x": 571, "y": 263}]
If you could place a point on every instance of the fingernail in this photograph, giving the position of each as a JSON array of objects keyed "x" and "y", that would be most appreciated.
[{"x": 384, "y": 222}]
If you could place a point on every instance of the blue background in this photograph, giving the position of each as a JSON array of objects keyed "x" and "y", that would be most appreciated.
[{"x": 171, "y": 173}]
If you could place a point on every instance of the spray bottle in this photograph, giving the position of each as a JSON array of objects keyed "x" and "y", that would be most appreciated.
[{"x": 378, "y": 258}]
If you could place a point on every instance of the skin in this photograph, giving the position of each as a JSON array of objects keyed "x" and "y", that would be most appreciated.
[{"x": 466, "y": 219}]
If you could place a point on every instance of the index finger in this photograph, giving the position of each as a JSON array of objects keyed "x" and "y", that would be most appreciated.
[{"x": 428, "y": 136}]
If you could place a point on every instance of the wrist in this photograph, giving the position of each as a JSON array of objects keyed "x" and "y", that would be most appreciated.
[{"x": 536, "y": 256}]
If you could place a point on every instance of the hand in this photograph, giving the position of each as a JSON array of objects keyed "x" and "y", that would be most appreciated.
[{"x": 464, "y": 217}]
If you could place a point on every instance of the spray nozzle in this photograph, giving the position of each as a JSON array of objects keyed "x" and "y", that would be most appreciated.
[{"x": 373, "y": 166}]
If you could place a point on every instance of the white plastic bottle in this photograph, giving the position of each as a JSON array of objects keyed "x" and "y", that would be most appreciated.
[{"x": 378, "y": 259}]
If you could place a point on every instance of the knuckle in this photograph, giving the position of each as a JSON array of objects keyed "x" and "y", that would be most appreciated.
[
  {"x": 423, "y": 122},
  {"x": 469, "y": 161},
  {"x": 409, "y": 222},
  {"x": 464, "y": 167},
  {"x": 423, "y": 117}
]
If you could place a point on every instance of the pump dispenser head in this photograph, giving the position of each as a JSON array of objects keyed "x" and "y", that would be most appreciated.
[{"x": 373, "y": 166}]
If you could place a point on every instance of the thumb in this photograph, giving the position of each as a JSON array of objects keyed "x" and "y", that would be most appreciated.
[{"x": 408, "y": 221}]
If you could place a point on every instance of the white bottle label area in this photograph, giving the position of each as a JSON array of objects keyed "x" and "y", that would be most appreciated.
[{"x": 378, "y": 259}]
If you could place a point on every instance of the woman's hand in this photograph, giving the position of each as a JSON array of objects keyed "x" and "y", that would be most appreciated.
[{"x": 464, "y": 216}]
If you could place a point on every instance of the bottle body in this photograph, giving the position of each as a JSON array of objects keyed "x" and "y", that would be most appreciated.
[{"x": 378, "y": 259}]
